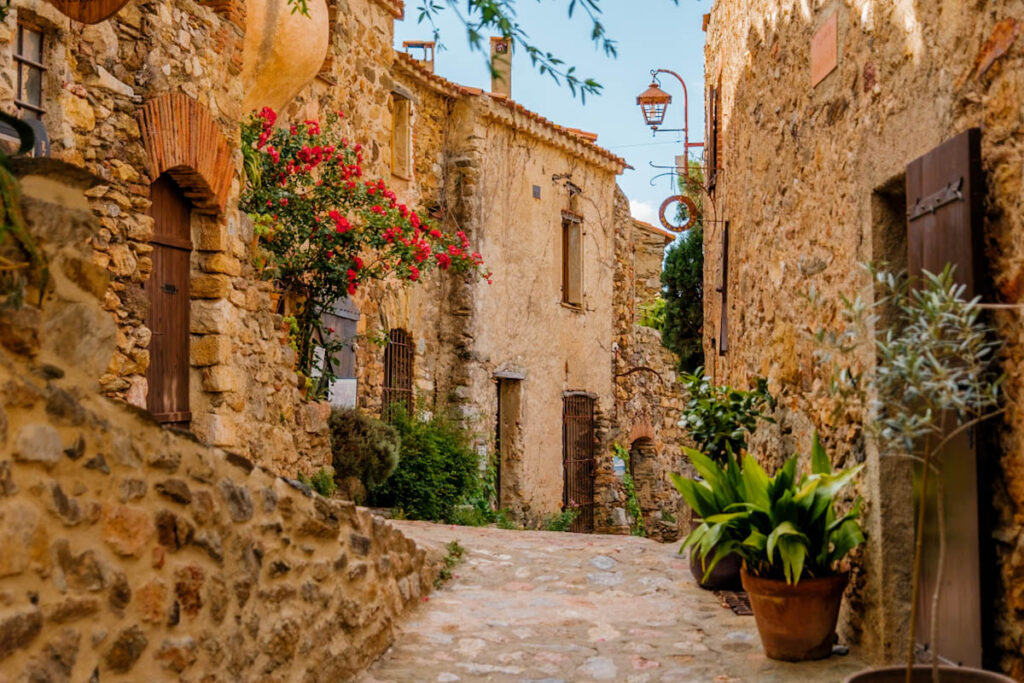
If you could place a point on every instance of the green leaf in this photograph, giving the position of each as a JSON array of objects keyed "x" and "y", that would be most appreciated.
[
  {"x": 844, "y": 539},
  {"x": 793, "y": 551},
  {"x": 820, "y": 463}
]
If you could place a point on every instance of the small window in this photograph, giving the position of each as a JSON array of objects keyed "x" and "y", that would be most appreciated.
[
  {"x": 572, "y": 259},
  {"x": 398, "y": 362},
  {"x": 401, "y": 137},
  {"x": 342, "y": 323},
  {"x": 28, "y": 57}
]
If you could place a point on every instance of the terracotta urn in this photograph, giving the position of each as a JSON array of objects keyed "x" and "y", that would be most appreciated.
[
  {"x": 923, "y": 674},
  {"x": 283, "y": 51}
]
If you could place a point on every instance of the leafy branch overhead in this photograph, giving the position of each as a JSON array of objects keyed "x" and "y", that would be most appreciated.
[{"x": 483, "y": 18}]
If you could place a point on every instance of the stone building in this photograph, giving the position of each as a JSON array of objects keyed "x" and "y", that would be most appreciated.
[
  {"x": 835, "y": 130},
  {"x": 149, "y": 97}
]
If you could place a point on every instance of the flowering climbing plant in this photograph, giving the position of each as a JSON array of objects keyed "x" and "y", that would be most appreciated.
[{"x": 325, "y": 231}]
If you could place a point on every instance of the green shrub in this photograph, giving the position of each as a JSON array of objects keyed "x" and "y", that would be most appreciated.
[
  {"x": 719, "y": 418},
  {"x": 652, "y": 314},
  {"x": 322, "y": 481},
  {"x": 437, "y": 469},
  {"x": 363, "y": 447},
  {"x": 561, "y": 521}
]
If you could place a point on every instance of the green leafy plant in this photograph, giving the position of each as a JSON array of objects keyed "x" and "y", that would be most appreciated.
[
  {"x": 713, "y": 496},
  {"x": 719, "y": 418},
  {"x": 321, "y": 481},
  {"x": 22, "y": 261},
  {"x": 652, "y": 314},
  {"x": 636, "y": 516},
  {"x": 454, "y": 554},
  {"x": 935, "y": 374},
  {"x": 363, "y": 446},
  {"x": 560, "y": 521},
  {"x": 784, "y": 527},
  {"x": 437, "y": 471}
]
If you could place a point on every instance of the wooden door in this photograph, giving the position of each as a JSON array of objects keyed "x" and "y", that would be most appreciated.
[
  {"x": 169, "y": 303},
  {"x": 945, "y": 195},
  {"x": 578, "y": 461}
]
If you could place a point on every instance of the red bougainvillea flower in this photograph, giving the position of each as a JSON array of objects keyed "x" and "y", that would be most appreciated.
[{"x": 305, "y": 179}]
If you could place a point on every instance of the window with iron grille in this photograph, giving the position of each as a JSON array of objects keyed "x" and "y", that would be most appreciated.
[
  {"x": 398, "y": 366},
  {"x": 28, "y": 58},
  {"x": 572, "y": 259}
]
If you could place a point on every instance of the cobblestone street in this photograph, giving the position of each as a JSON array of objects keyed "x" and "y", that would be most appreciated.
[{"x": 543, "y": 606}]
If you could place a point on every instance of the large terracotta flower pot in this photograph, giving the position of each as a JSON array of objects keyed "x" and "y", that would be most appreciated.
[
  {"x": 796, "y": 622},
  {"x": 724, "y": 577},
  {"x": 923, "y": 674}
]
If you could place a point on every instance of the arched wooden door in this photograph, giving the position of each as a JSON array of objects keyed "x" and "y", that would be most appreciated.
[{"x": 169, "y": 303}]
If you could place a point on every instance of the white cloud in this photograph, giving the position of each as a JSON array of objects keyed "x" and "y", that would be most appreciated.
[{"x": 643, "y": 211}]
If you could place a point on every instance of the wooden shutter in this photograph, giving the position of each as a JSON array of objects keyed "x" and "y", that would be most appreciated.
[
  {"x": 945, "y": 195},
  {"x": 723, "y": 290},
  {"x": 401, "y": 137},
  {"x": 168, "y": 290},
  {"x": 572, "y": 259},
  {"x": 714, "y": 135}
]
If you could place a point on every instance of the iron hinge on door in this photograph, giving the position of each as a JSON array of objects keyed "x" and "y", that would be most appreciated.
[{"x": 953, "y": 192}]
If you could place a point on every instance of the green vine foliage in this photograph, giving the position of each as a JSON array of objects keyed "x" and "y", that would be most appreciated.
[{"x": 636, "y": 516}]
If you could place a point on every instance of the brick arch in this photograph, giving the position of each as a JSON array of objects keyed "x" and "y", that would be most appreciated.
[
  {"x": 183, "y": 140},
  {"x": 89, "y": 11},
  {"x": 641, "y": 430}
]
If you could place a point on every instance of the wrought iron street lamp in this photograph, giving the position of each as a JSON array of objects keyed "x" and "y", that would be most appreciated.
[{"x": 654, "y": 103}]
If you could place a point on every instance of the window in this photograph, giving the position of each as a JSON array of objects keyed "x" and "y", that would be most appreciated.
[
  {"x": 401, "y": 136},
  {"x": 342, "y": 323},
  {"x": 28, "y": 58},
  {"x": 572, "y": 259},
  {"x": 398, "y": 361}
]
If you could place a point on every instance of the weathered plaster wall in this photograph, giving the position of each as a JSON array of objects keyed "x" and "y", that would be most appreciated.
[
  {"x": 134, "y": 552},
  {"x": 804, "y": 180}
]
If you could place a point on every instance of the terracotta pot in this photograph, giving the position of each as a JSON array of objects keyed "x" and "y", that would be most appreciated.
[
  {"x": 724, "y": 577},
  {"x": 923, "y": 674},
  {"x": 798, "y": 622}
]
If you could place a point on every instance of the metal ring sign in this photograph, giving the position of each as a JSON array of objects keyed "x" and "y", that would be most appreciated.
[{"x": 691, "y": 213}]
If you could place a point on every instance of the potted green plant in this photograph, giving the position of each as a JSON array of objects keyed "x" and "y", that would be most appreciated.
[
  {"x": 712, "y": 495},
  {"x": 719, "y": 419},
  {"x": 935, "y": 376},
  {"x": 791, "y": 541}
]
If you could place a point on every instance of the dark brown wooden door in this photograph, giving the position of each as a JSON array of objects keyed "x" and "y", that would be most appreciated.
[
  {"x": 944, "y": 226},
  {"x": 169, "y": 303},
  {"x": 578, "y": 451}
]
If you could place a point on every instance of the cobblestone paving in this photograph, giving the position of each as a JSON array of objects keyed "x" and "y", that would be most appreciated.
[{"x": 549, "y": 607}]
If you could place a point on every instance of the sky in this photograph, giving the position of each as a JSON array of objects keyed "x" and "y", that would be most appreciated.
[{"x": 650, "y": 34}]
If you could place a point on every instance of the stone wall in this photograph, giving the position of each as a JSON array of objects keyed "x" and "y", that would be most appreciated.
[
  {"x": 244, "y": 394},
  {"x": 648, "y": 397},
  {"x": 807, "y": 180},
  {"x": 143, "y": 553}
]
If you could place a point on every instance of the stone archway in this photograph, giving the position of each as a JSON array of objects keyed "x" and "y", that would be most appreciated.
[
  {"x": 183, "y": 140},
  {"x": 642, "y": 455}
]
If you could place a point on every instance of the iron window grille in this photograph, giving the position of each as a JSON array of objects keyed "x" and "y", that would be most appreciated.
[{"x": 398, "y": 371}]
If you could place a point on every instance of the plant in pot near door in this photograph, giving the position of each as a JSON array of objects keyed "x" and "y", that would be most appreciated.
[
  {"x": 935, "y": 376},
  {"x": 718, "y": 419},
  {"x": 789, "y": 537}
]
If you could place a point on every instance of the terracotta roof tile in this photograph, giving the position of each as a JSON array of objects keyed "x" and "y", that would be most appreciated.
[{"x": 442, "y": 84}]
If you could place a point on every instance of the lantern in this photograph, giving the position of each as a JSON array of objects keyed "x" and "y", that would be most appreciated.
[{"x": 653, "y": 103}]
